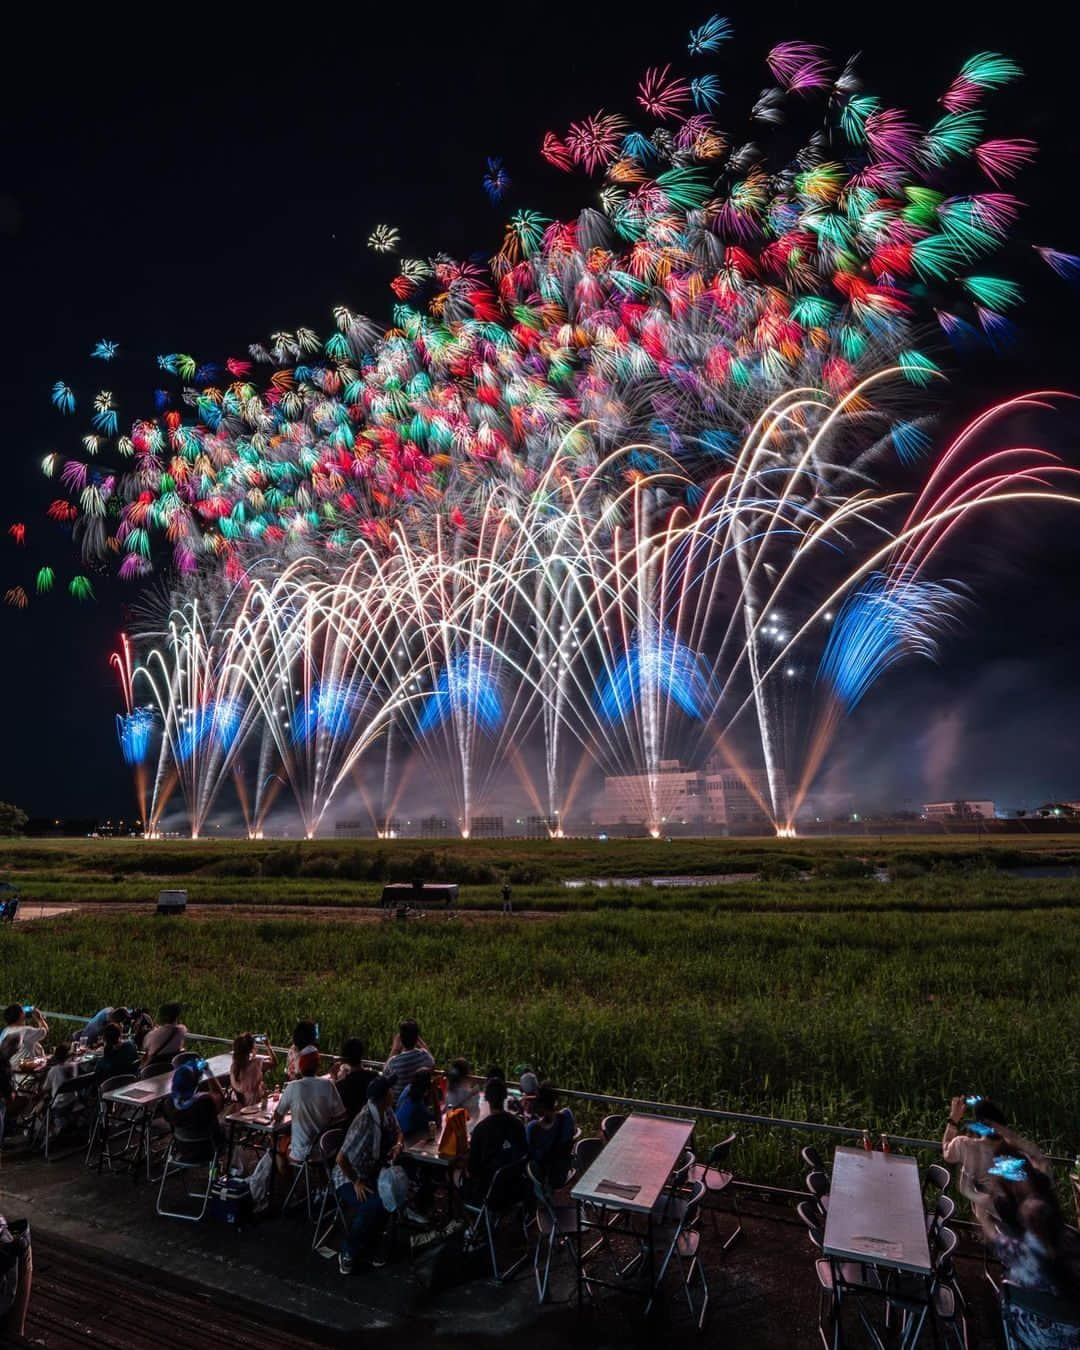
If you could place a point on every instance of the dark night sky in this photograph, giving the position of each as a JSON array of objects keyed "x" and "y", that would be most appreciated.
[{"x": 193, "y": 183}]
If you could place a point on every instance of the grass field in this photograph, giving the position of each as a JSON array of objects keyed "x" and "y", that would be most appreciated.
[
  {"x": 837, "y": 999},
  {"x": 817, "y": 873}
]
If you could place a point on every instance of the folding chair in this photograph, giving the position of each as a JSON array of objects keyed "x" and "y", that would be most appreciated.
[
  {"x": 1062, "y": 1314},
  {"x": 944, "y": 1209},
  {"x": 329, "y": 1147},
  {"x": 718, "y": 1179},
  {"x": 106, "y": 1114},
  {"x": 683, "y": 1246},
  {"x": 817, "y": 1183},
  {"x": 837, "y": 1281},
  {"x": 189, "y": 1151},
  {"x": 505, "y": 1193},
  {"x": 557, "y": 1229},
  {"x": 937, "y": 1177},
  {"x": 65, "y": 1096},
  {"x": 609, "y": 1125},
  {"x": 813, "y": 1159}
]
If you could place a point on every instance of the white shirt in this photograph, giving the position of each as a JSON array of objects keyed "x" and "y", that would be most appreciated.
[
  {"x": 314, "y": 1104},
  {"x": 22, "y": 1043},
  {"x": 59, "y": 1073}
]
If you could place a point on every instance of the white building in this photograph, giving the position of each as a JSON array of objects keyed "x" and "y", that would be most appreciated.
[
  {"x": 714, "y": 796},
  {"x": 959, "y": 809}
]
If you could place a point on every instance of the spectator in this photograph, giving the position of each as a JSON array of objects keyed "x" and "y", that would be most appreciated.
[
  {"x": 247, "y": 1071},
  {"x": 7, "y": 1092},
  {"x": 313, "y": 1103},
  {"x": 166, "y": 1039},
  {"x": 408, "y": 1055},
  {"x": 416, "y": 1106},
  {"x": 550, "y": 1137},
  {"x": 352, "y": 1077},
  {"x": 304, "y": 1035},
  {"x": 16, "y": 1277},
  {"x": 58, "y": 1070},
  {"x": 372, "y": 1142},
  {"x": 118, "y": 1055},
  {"x": 23, "y": 1033},
  {"x": 95, "y": 1028},
  {"x": 459, "y": 1088},
  {"x": 974, "y": 1147},
  {"x": 195, "y": 1103},
  {"x": 498, "y": 1139},
  {"x": 1023, "y": 1225}
]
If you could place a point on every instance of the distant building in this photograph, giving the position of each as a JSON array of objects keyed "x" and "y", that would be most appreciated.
[
  {"x": 1058, "y": 810},
  {"x": 434, "y": 827},
  {"x": 485, "y": 827},
  {"x": 715, "y": 796},
  {"x": 959, "y": 809},
  {"x": 352, "y": 829}
]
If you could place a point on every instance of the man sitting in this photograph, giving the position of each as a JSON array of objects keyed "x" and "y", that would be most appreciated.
[
  {"x": 373, "y": 1141},
  {"x": 498, "y": 1139},
  {"x": 352, "y": 1078},
  {"x": 119, "y": 1055},
  {"x": 550, "y": 1137},
  {"x": 23, "y": 1033},
  {"x": 314, "y": 1104},
  {"x": 408, "y": 1055},
  {"x": 166, "y": 1039},
  {"x": 95, "y": 1028}
]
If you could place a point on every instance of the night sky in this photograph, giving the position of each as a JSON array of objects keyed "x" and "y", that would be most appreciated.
[{"x": 194, "y": 182}]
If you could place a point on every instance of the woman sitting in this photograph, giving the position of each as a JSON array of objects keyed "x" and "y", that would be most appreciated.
[{"x": 247, "y": 1073}]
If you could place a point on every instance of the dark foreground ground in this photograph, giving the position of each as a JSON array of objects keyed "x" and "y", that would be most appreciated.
[{"x": 109, "y": 1272}]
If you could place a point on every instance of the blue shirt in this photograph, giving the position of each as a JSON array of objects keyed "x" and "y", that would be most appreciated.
[
  {"x": 96, "y": 1026},
  {"x": 412, "y": 1113}
]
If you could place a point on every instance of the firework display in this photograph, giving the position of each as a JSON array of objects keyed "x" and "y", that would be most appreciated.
[{"x": 640, "y": 488}]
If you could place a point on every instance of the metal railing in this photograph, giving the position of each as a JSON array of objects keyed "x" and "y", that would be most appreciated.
[{"x": 641, "y": 1104}]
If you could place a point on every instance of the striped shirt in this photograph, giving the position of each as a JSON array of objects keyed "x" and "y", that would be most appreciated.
[{"x": 403, "y": 1067}]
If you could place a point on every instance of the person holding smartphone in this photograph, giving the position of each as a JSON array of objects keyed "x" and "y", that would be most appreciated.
[
  {"x": 974, "y": 1143},
  {"x": 247, "y": 1073},
  {"x": 24, "y": 1033}
]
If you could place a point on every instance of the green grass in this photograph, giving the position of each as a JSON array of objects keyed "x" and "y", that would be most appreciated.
[
  {"x": 866, "y": 1017},
  {"x": 812, "y": 874}
]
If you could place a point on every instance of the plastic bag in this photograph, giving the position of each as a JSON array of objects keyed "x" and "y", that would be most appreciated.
[
  {"x": 454, "y": 1138},
  {"x": 394, "y": 1188},
  {"x": 259, "y": 1181}
]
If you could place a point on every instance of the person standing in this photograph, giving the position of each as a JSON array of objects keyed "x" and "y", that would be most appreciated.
[{"x": 507, "y": 901}]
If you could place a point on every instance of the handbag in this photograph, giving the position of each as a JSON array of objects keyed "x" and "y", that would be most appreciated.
[{"x": 454, "y": 1136}]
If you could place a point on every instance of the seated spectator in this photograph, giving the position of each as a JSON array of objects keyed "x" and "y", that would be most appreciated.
[
  {"x": 408, "y": 1055},
  {"x": 95, "y": 1028},
  {"x": 1023, "y": 1225},
  {"x": 975, "y": 1145},
  {"x": 304, "y": 1035},
  {"x": 247, "y": 1071},
  {"x": 352, "y": 1077},
  {"x": 550, "y": 1137},
  {"x": 313, "y": 1103},
  {"x": 460, "y": 1090},
  {"x": 166, "y": 1038},
  {"x": 529, "y": 1084},
  {"x": 23, "y": 1034},
  {"x": 118, "y": 1055},
  {"x": 195, "y": 1104},
  {"x": 498, "y": 1139},
  {"x": 416, "y": 1106},
  {"x": 7, "y": 1093},
  {"x": 372, "y": 1142},
  {"x": 59, "y": 1069}
]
